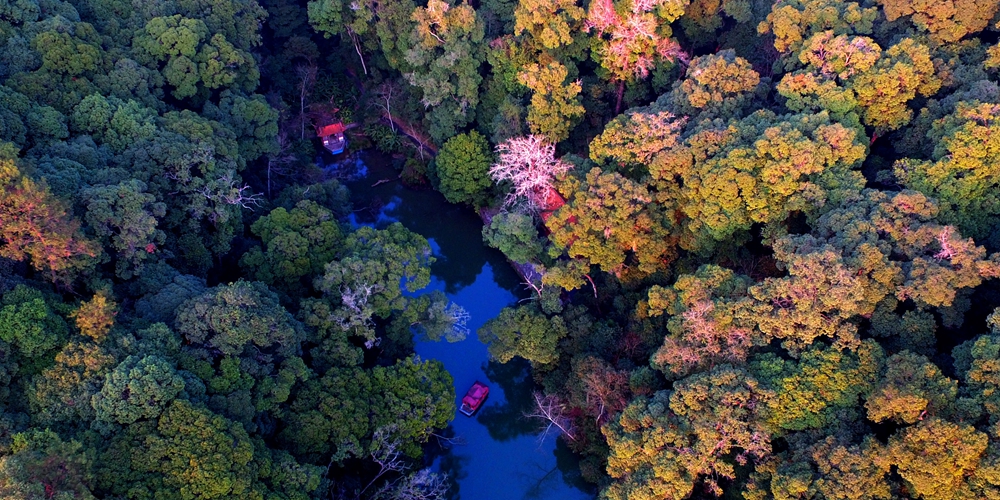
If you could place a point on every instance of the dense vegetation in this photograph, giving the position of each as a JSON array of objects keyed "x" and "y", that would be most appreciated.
[{"x": 761, "y": 239}]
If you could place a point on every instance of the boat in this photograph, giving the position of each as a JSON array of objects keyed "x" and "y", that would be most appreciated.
[
  {"x": 333, "y": 137},
  {"x": 474, "y": 398}
]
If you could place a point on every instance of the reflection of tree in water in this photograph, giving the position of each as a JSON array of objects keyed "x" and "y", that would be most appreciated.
[
  {"x": 539, "y": 478},
  {"x": 456, "y": 229},
  {"x": 506, "y": 421},
  {"x": 544, "y": 480},
  {"x": 569, "y": 464},
  {"x": 452, "y": 464}
]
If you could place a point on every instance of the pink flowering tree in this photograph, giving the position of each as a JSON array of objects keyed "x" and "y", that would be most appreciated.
[
  {"x": 634, "y": 35},
  {"x": 530, "y": 165}
]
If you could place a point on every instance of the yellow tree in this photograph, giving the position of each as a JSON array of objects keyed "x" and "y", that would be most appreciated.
[
  {"x": 964, "y": 172},
  {"x": 792, "y": 22},
  {"x": 945, "y": 20},
  {"x": 555, "y": 105}
]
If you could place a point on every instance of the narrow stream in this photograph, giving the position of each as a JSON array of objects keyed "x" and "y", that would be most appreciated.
[{"x": 497, "y": 453}]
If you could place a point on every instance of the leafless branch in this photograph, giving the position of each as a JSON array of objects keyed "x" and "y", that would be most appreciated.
[
  {"x": 550, "y": 409},
  {"x": 530, "y": 165}
]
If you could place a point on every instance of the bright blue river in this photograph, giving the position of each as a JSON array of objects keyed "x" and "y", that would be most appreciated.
[{"x": 497, "y": 453}]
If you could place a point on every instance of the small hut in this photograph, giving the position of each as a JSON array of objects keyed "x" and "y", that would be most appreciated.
[{"x": 333, "y": 137}]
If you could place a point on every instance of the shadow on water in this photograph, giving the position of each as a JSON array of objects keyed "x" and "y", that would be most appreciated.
[
  {"x": 506, "y": 422},
  {"x": 455, "y": 230},
  {"x": 496, "y": 454}
]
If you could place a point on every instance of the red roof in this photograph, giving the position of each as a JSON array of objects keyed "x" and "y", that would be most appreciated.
[
  {"x": 336, "y": 128},
  {"x": 550, "y": 201}
]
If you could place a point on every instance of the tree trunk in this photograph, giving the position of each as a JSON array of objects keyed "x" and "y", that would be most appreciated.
[{"x": 621, "y": 93}]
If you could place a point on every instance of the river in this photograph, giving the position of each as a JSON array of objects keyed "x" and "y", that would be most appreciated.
[{"x": 497, "y": 454}]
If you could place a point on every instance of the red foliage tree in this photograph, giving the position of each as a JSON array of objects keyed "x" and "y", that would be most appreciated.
[{"x": 34, "y": 225}]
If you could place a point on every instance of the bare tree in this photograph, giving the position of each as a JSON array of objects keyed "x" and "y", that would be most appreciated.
[
  {"x": 385, "y": 453},
  {"x": 552, "y": 411},
  {"x": 227, "y": 190},
  {"x": 529, "y": 163},
  {"x": 385, "y": 92},
  {"x": 356, "y": 40},
  {"x": 421, "y": 485},
  {"x": 276, "y": 161},
  {"x": 356, "y": 314},
  {"x": 307, "y": 78}
]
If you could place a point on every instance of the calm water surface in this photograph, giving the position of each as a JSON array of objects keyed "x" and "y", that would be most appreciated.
[{"x": 497, "y": 454}]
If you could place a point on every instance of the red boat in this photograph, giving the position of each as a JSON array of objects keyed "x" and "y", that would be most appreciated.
[{"x": 474, "y": 398}]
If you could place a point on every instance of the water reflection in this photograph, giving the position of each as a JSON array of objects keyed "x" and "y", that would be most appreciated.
[
  {"x": 456, "y": 230},
  {"x": 497, "y": 453},
  {"x": 507, "y": 422}
]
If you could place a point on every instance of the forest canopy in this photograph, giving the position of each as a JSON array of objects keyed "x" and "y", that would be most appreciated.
[{"x": 759, "y": 243}]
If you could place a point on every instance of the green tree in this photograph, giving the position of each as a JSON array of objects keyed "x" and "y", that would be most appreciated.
[
  {"x": 852, "y": 74},
  {"x": 831, "y": 468},
  {"x": 125, "y": 216},
  {"x": 755, "y": 170},
  {"x": 548, "y": 23},
  {"x": 792, "y": 22},
  {"x": 338, "y": 412},
  {"x": 191, "y": 453},
  {"x": 113, "y": 122},
  {"x": 463, "y": 165},
  {"x": 820, "y": 389},
  {"x": 62, "y": 392},
  {"x": 515, "y": 235},
  {"x": 297, "y": 244},
  {"x": 244, "y": 346},
  {"x": 961, "y": 174},
  {"x": 380, "y": 261},
  {"x": 525, "y": 333},
  {"x": 191, "y": 54},
  {"x": 253, "y": 120},
  {"x": 137, "y": 389},
  {"x": 555, "y": 105},
  {"x": 719, "y": 85},
  {"x": 976, "y": 364},
  {"x": 232, "y": 319},
  {"x": 663, "y": 446},
  {"x": 636, "y": 136},
  {"x": 446, "y": 50},
  {"x": 28, "y": 323},
  {"x": 910, "y": 389}
]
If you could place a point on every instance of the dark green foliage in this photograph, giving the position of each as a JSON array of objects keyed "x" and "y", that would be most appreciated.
[
  {"x": 525, "y": 333},
  {"x": 338, "y": 411},
  {"x": 231, "y": 319},
  {"x": 297, "y": 244},
  {"x": 462, "y": 167},
  {"x": 29, "y": 324},
  {"x": 137, "y": 389},
  {"x": 515, "y": 235},
  {"x": 160, "y": 306},
  {"x": 375, "y": 263}
]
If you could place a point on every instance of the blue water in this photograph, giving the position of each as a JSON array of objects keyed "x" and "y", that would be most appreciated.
[{"x": 497, "y": 453}]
